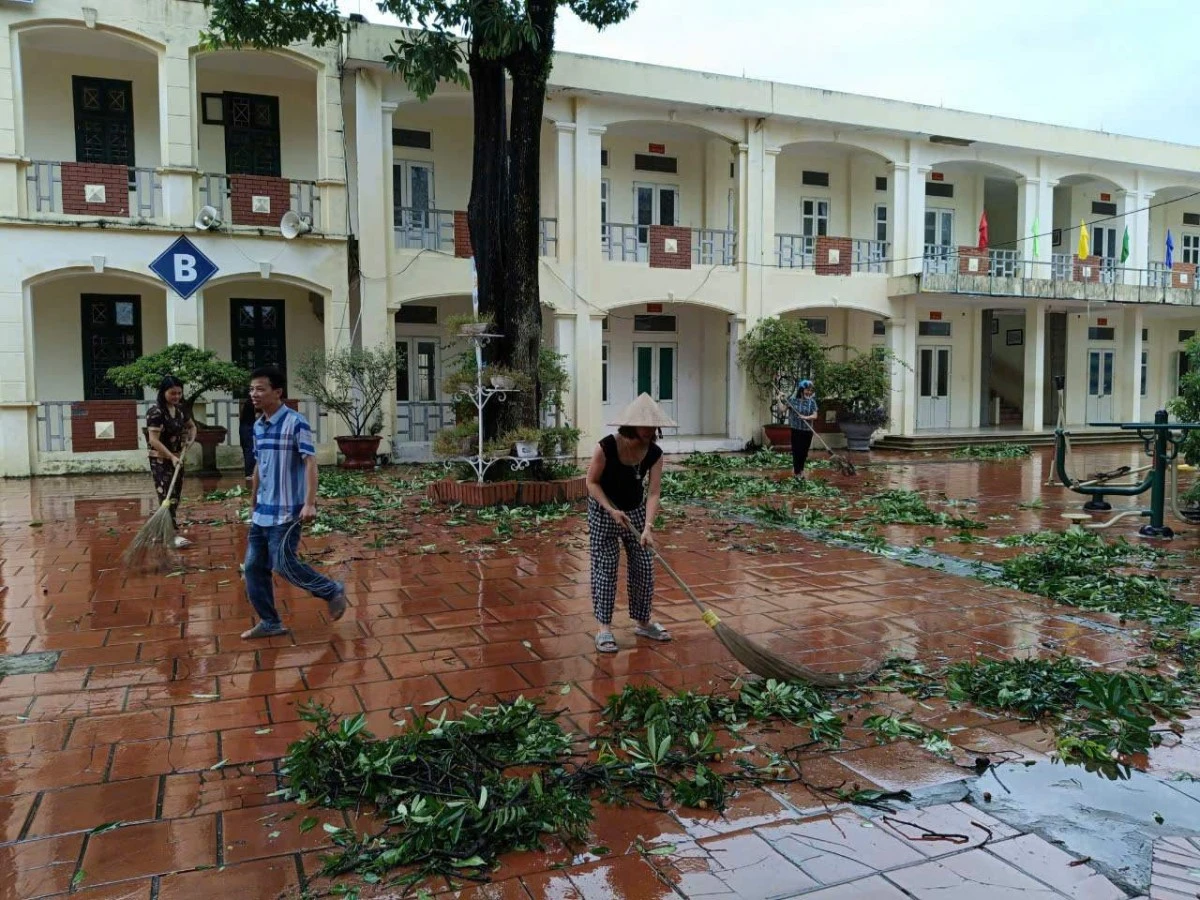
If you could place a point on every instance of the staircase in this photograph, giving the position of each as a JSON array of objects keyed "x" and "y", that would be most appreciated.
[{"x": 935, "y": 441}]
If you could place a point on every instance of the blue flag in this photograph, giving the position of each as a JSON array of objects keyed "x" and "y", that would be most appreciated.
[{"x": 1170, "y": 250}]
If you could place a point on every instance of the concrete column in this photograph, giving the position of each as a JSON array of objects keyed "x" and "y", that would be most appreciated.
[
  {"x": 565, "y": 200},
  {"x": 185, "y": 319},
  {"x": 755, "y": 306},
  {"x": 908, "y": 225},
  {"x": 376, "y": 235},
  {"x": 976, "y": 413},
  {"x": 1133, "y": 207},
  {"x": 586, "y": 182},
  {"x": 1129, "y": 359},
  {"x": 1033, "y": 403},
  {"x": 589, "y": 406},
  {"x": 902, "y": 340},
  {"x": 18, "y": 413},
  {"x": 12, "y": 174},
  {"x": 178, "y": 134},
  {"x": 742, "y": 407},
  {"x": 565, "y": 344},
  {"x": 750, "y": 215}
]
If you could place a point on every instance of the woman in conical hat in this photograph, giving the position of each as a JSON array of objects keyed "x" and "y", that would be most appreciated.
[{"x": 624, "y": 482}]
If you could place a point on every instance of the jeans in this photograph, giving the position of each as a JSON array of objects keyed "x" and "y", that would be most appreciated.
[
  {"x": 246, "y": 437},
  {"x": 272, "y": 548}
]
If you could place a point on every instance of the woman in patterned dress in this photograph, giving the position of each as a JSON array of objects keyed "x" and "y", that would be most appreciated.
[{"x": 168, "y": 430}]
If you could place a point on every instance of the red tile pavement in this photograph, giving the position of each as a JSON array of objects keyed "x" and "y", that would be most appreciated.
[{"x": 156, "y": 714}]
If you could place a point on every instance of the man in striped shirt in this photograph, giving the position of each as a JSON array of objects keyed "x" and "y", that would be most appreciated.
[{"x": 284, "y": 492}]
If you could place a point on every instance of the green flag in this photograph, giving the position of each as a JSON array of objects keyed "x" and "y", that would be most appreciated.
[
  {"x": 1125, "y": 245},
  {"x": 1037, "y": 227}
]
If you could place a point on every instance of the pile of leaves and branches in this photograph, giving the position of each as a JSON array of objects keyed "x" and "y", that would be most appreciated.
[
  {"x": 900, "y": 507},
  {"x": 508, "y": 521},
  {"x": 453, "y": 795},
  {"x": 764, "y": 459},
  {"x": 993, "y": 451},
  {"x": 707, "y": 484}
]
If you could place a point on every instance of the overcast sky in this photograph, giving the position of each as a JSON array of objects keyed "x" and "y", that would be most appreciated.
[{"x": 1114, "y": 65}]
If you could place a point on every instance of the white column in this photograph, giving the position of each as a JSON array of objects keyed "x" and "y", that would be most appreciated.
[
  {"x": 18, "y": 413},
  {"x": 908, "y": 225},
  {"x": 586, "y": 181},
  {"x": 975, "y": 411},
  {"x": 565, "y": 344},
  {"x": 1033, "y": 403},
  {"x": 742, "y": 407},
  {"x": 589, "y": 406},
  {"x": 331, "y": 152},
  {"x": 755, "y": 305},
  {"x": 185, "y": 319},
  {"x": 1129, "y": 358},
  {"x": 177, "y": 134},
  {"x": 1133, "y": 207},
  {"x": 12, "y": 147},
  {"x": 565, "y": 199},
  {"x": 902, "y": 340}
]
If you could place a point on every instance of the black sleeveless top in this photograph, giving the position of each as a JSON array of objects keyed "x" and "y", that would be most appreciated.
[{"x": 625, "y": 486}]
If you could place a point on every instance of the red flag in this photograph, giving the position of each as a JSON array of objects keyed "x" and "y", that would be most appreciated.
[{"x": 983, "y": 231}]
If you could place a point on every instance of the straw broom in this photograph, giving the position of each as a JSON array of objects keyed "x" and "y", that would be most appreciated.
[
  {"x": 839, "y": 462},
  {"x": 153, "y": 547},
  {"x": 757, "y": 658}
]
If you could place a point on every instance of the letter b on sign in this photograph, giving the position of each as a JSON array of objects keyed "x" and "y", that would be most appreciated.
[{"x": 185, "y": 268}]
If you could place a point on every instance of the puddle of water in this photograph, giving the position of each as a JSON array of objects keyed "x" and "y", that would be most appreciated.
[
  {"x": 1113, "y": 822},
  {"x": 28, "y": 663}
]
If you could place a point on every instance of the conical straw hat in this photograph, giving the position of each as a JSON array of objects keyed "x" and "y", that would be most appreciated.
[{"x": 644, "y": 413}]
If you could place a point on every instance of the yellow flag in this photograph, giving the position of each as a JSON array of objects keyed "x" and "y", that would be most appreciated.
[{"x": 1084, "y": 250}]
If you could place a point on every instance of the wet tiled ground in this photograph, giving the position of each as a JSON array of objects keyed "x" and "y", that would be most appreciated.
[{"x": 147, "y": 708}]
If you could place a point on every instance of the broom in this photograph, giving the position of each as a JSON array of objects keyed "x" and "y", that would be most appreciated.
[
  {"x": 839, "y": 462},
  {"x": 757, "y": 658},
  {"x": 153, "y": 547}
]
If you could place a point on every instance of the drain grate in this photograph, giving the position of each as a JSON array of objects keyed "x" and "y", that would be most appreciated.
[{"x": 28, "y": 663}]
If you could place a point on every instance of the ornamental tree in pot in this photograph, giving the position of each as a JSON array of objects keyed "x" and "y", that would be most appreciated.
[
  {"x": 201, "y": 372},
  {"x": 352, "y": 383},
  {"x": 775, "y": 354},
  {"x": 862, "y": 385}
]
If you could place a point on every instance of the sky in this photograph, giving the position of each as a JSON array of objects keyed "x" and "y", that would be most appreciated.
[{"x": 1120, "y": 66}]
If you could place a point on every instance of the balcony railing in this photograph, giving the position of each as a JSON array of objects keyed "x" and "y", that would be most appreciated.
[
  {"x": 223, "y": 412},
  {"x": 795, "y": 251},
  {"x": 548, "y": 236},
  {"x": 940, "y": 259},
  {"x": 44, "y": 187},
  {"x": 424, "y": 229},
  {"x": 871, "y": 256},
  {"x": 304, "y": 198},
  {"x": 1004, "y": 263},
  {"x": 621, "y": 243},
  {"x": 714, "y": 247}
]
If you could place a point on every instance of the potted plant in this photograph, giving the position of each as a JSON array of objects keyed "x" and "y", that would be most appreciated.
[
  {"x": 458, "y": 440},
  {"x": 861, "y": 385},
  {"x": 200, "y": 371},
  {"x": 559, "y": 442},
  {"x": 775, "y": 354},
  {"x": 352, "y": 383},
  {"x": 499, "y": 377},
  {"x": 524, "y": 442},
  {"x": 469, "y": 325}
]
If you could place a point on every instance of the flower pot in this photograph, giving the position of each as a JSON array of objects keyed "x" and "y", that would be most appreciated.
[
  {"x": 858, "y": 435},
  {"x": 473, "y": 329},
  {"x": 503, "y": 382},
  {"x": 779, "y": 437},
  {"x": 358, "y": 451},
  {"x": 209, "y": 440},
  {"x": 526, "y": 449}
]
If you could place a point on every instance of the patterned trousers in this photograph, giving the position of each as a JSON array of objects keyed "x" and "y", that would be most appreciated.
[
  {"x": 606, "y": 537},
  {"x": 163, "y": 471}
]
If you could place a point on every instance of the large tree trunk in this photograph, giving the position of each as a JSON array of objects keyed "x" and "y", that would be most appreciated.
[
  {"x": 522, "y": 311},
  {"x": 489, "y": 190}
]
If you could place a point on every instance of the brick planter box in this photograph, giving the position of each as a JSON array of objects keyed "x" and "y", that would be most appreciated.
[{"x": 508, "y": 493}]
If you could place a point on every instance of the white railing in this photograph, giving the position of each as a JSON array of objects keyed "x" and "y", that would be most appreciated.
[
  {"x": 940, "y": 259},
  {"x": 795, "y": 251},
  {"x": 224, "y": 412},
  {"x": 1062, "y": 267},
  {"x": 1004, "y": 263},
  {"x": 44, "y": 190},
  {"x": 419, "y": 422},
  {"x": 1158, "y": 275},
  {"x": 304, "y": 198},
  {"x": 423, "y": 229},
  {"x": 870, "y": 256},
  {"x": 547, "y": 236},
  {"x": 714, "y": 247},
  {"x": 621, "y": 243}
]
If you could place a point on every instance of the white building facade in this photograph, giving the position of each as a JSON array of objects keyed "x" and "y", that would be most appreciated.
[{"x": 679, "y": 209}]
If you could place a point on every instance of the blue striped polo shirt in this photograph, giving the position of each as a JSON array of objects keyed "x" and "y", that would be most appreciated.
[{"x": 282, "y": 445}]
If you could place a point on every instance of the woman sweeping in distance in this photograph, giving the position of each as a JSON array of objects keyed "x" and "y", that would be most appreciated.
[
  {"x": 168, "y": 430},
  {"x": 624, "y": 482},
  {"x": 802, "y": 415}
]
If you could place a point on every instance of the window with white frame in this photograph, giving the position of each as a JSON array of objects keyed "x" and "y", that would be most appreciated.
[
  {"x": 1191, "y": 247},
  {"x": 814, "y": 218},
  {"x": 881, "y": 222},
  {"x": 604, "y": 373}
]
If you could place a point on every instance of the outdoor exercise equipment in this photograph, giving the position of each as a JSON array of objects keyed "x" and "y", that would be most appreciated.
[{"x": 1161, "y": 440}]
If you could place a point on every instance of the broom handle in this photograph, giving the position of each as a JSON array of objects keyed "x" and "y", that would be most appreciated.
[
  {"x": 175, "y": 477},
  {"x": 674, "y": 575}
]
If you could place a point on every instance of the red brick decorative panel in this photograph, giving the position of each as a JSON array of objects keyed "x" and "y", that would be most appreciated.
[
  {"x": 462, "y": 236},
  {"x": 86, "y": 413},
  {"x": 1183, "y": 276},
  {"x": 1092, "y": 264},
  {"x": 845, "y": 251},
  {"x": 244, "y": 188},
  {"x": 973, "y": 261},
  {"x": 660, "y": 258},
  {"x": 77, "y": 176},
  {"x": 495, "y": 493}
]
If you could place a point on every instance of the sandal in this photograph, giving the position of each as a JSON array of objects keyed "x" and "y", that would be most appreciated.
[
  {"x": 653, "y": 631},
  {"x": 606, "y": 643}
]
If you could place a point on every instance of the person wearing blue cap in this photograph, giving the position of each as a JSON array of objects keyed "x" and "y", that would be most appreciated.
[{"x": 802, "y": 417}]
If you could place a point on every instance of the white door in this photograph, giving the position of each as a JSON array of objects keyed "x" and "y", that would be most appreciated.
[
  {"x": 939, "y": 240},
  {"x": 1104, "y": 245},
  {"x": 814, "y": 223},
  {"x": 412, "y": 200},
  {"x": 1100, "y": 386},
  {"x": 653, "y": 204},
  {"x": 654, "y": 372},
  {"x": 417, "y": 370},
  {"x": 933, "y": 387}
]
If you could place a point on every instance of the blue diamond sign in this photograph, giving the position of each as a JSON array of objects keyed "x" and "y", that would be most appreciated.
[{"x": 184, "y": 267}]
